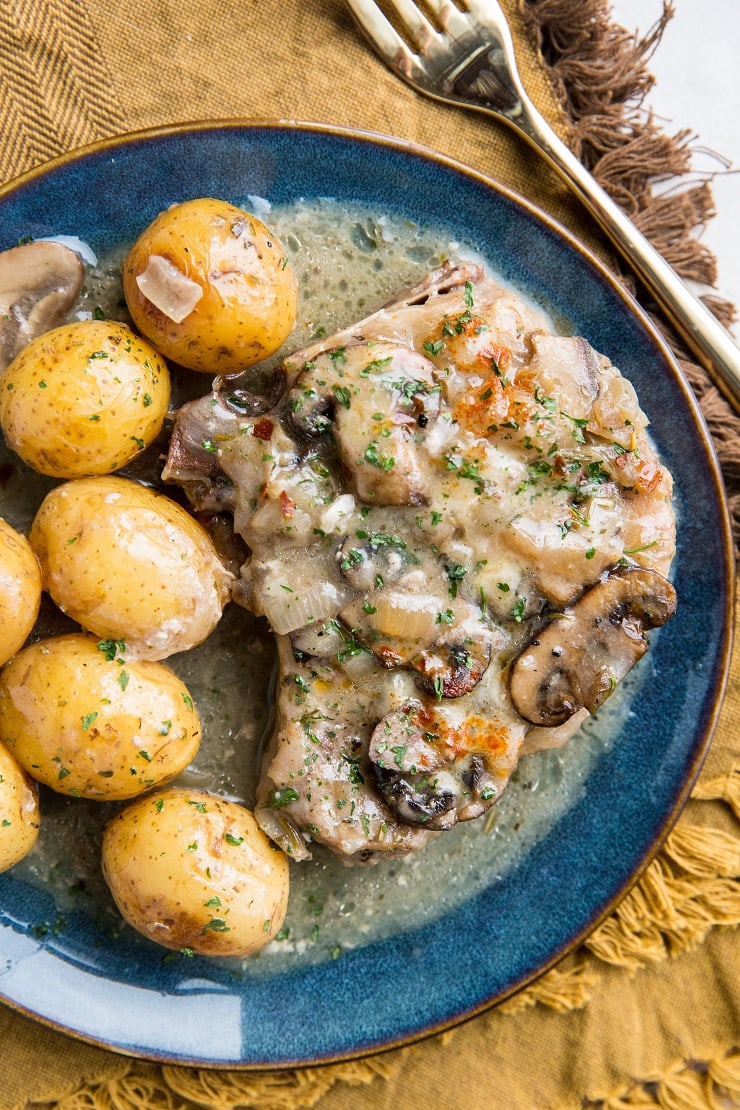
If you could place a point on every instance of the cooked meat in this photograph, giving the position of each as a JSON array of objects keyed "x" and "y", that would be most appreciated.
[{"x": 440, "y": 485}]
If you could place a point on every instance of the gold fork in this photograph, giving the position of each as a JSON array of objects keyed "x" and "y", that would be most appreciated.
[{"x": 466, "y": 57}]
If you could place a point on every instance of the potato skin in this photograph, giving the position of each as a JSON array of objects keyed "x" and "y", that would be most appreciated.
[
  {"x": 129, "y": 564},
  {"x": 249, "y": 293},
  {"x": 19, "y": 811},
  {"x": 85, "y": 721},
  {"x": 20, "y": 590},
  {"x": 192, "y": 870},
  {"x": 84, "y": 399}
]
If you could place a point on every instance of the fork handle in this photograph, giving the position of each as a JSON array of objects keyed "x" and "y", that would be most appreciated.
[{"x": 709, "y": 341}]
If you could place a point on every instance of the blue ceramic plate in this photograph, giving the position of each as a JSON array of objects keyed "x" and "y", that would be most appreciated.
[{"x": 416, "y": 982}]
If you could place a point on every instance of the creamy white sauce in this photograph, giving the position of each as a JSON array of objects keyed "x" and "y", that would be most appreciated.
[{"x": 348, "y": 261}]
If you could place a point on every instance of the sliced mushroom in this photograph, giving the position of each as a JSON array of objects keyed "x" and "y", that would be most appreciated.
[
  {"x": 577, "y": 660},
  {"x": 378, "y": 398},
  {"x": 374, "y": 561},
  {"x": 445, "y": 641},
  {"x": 455, "y": 663},
  {"x": 434, "y": 771},
  {"x": 39, "y": 283},
  {"x": 569, "y": 368}
]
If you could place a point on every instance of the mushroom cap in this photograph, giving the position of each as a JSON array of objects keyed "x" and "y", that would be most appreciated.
[
  {"x": 577, "y": 660},
  {"x": 39, "y": 283}
]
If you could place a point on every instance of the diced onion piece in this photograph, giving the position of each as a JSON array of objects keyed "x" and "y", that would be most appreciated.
[
  {"x": 169, "y": 289},
  {"x": 79, "y": 246},
  {"x": 409, "y": 616},
  {"x": 287, "y": 610},
  {"x": 335, "y": 514}
]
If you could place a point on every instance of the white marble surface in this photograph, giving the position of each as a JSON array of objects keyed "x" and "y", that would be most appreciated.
[{"x": 697, "y": 71}]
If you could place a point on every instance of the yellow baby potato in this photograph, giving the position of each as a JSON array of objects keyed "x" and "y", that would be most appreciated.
[
  {"x": 20, "y": 590},
  {"x": 210, "y": 286},
  {"x": 84, "y": 399},
  {"x": 81, "y": 718},
  {"x": 129, "y": 564},
  {"x": 19, "y": 811},
  {"x": 194, "y": 871}
]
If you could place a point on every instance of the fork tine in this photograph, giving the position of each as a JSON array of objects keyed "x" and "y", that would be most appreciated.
[
  {"x": 385, "y": 38},
  {"x": 418, "y": 26},
  {"x": 450, "y": 18}
]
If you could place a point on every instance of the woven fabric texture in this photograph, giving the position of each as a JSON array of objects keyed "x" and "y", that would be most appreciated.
[{"x": 646, "y": 1013}]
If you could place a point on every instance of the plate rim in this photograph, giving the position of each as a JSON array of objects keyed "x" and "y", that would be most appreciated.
[{"x": 116, "y": 142}]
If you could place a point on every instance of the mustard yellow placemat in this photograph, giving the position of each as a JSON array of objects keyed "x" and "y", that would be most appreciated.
[{"x": 646, "y": 1013}]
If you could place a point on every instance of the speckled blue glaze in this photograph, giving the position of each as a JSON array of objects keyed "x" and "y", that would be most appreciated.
[{"x": 398, "y": 990}]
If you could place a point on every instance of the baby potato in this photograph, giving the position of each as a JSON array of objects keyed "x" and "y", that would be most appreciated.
[
  {"x": 20, "y": 590},
  {"x": 84, "y": 399},
  {"x": 81, "y": 718},
  {"x": 191, "y": 870},
  {"x": 19, "y": 811},
  {"x": 210, "y": 286},
  {"x": 129, "y": 564}
]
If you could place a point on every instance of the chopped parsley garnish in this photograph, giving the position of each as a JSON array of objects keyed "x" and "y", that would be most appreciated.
[
  {"x": 519, "y": 609},
  {"x": 216, "y": 925},
  {"x": 376, "y": 458},
  {"x": 342, "y": 394},
  {"x": 434, "y": 347},
  {"x": 283, "y": 796},
  {"x": 455, "y": 573},
  {"x": 111, "y": 648}
]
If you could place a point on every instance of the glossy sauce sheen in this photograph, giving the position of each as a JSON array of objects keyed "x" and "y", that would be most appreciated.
[{"x": 332, "y": 907}]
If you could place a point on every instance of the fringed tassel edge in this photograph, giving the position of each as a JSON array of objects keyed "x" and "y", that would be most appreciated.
[
  {"x": 600, "y": 76},
  {"x": 161, "y": 1087},
  {"x": 695, "y": 1085}
]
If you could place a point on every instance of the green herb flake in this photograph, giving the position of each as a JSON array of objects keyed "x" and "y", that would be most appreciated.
[
  {"x": 343, "y": 396},
  {"x": 216, "y": 925},
  {"x": 283, "y": 797},
  {"x": 643, "y": 547},
  {"x": 111, "y": 648},
  {"x": 519, "y": 609},
  {"x": 434, "y": 348},
  {"x": 455, "y": 573},
  {"x": 375, "y": 458}
]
